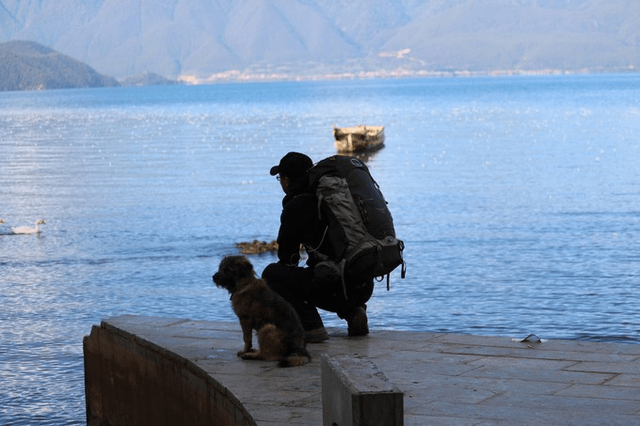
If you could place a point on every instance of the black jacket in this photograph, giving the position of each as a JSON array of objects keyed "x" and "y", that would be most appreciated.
[{"x": 300, "y": 225}]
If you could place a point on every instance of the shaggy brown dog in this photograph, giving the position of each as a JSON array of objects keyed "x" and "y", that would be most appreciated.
[{"x": 280, "y": 333}]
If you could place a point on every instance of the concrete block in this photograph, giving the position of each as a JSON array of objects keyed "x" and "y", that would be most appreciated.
[
  {"x": 356, "y": 393},
  {"x": 131, "y": 381},
  {"x": 93, "y": 377}
]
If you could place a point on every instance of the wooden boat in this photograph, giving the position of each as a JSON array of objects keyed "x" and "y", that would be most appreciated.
[{"x": 358, "y": 138}]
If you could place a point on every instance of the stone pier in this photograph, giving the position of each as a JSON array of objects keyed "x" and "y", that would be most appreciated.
[{"x": 168, "y": 371}]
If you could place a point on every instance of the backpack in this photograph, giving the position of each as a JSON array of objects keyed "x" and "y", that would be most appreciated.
[{"x": 359, "y": 225}]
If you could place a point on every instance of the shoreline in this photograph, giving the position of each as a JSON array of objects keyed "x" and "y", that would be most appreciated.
[{"x": 237, "y": 76}]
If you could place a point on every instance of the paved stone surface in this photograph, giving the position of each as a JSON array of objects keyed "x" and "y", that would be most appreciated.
[{"x": 446, "y": 379}]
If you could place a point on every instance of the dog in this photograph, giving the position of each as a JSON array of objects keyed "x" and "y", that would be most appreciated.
[{"x": 280, "y": 333}]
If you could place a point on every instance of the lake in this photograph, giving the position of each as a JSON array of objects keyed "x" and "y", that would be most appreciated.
[{"x": 518, "y": 199}]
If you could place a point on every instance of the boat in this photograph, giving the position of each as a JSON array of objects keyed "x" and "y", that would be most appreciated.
[{"x": 358, "y": 138}]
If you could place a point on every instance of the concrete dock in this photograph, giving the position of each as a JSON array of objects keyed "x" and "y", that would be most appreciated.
[{"x": 447, "y": 379}]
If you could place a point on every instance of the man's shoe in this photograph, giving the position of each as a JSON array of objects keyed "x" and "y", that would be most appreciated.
[
  {"x": 357, "y": 322},
  {"x": 316, "y": 336}
]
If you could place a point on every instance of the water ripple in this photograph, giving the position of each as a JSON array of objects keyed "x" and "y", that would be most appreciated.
[{"x": 517, "y": 200}]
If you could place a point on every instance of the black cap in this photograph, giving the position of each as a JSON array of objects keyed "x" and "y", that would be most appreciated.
[{"x": 293, "y": 165}]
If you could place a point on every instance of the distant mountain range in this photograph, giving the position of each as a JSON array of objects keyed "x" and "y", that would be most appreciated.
[
  {"x": 208, "y": 40},
  {"x": 26, "y": 65}
]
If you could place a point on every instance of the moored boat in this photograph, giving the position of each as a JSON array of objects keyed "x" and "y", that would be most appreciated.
[{"x": 358, "y": 138}]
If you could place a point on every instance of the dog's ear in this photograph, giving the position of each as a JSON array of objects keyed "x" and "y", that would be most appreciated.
[{"x": 244, "y": 268}]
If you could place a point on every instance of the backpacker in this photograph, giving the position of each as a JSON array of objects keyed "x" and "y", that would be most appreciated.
[{"x": 360, "y": 227}]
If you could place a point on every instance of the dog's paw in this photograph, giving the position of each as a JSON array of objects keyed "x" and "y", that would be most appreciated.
[{"x": 246, "y": 354}]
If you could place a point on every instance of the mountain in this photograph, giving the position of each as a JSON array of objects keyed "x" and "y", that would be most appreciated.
[
  {"x": 195, "y": 40},
  {"x": 26, "y": 65},
  {"x": 147, "y": 79}
]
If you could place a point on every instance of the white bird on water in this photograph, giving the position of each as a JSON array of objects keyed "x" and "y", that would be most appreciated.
[
  {"x": 29, "y": 230},
  {"x": 2, "y": 227}
]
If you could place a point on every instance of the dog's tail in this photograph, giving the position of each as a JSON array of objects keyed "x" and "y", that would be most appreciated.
[{"x": 295, "y": 359}]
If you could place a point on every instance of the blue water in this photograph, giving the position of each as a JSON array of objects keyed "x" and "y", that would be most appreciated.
[{"x": 518, "y": 199}]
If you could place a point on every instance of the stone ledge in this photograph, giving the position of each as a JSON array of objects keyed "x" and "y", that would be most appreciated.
[
  {"x": 132, "y": 381},
  {"x": 356, "y": 393},
  {"x": 445, "y": 378}
]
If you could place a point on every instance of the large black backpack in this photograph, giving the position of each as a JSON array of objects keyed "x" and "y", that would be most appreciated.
[{"x": 359, "y": 225}]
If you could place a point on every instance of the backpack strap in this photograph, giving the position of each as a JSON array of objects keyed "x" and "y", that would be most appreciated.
[
  {"x": 341, "y": 265},
  {"x": 403, "y": 270},
  {"x": 314, "y": 250}
]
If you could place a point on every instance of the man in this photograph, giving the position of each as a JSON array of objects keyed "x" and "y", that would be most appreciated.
[{"x": 300, "y": 225}]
